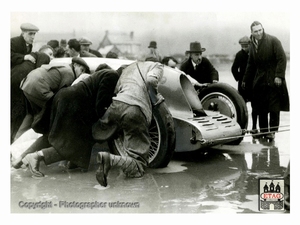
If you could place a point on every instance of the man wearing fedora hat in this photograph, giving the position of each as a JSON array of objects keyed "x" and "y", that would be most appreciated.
[
  {"x": 154, "y": 55},
  {"x": 21, "y": 46},
  {"x": 39, "y": 87},
  {"x": 199, "y": 67}
]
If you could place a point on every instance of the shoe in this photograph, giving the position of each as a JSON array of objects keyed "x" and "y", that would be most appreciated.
[
  {"x": 270, "y": 136},
  {"x": 32, "y": 161},
  {"x": 17, "y": 163},
  {"x": 71, "y": 165},
  {"x": 101, "y": 174},
  {"x": 255, "y": 133}
]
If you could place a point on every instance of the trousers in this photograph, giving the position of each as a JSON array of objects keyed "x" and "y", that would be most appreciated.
[
  {"x": 269, "y": 124},
  {"x": 131, "y": 120}
]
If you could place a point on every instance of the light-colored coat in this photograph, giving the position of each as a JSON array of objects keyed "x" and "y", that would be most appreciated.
[
  {"x": 132, "y": 89},
  {"x": 42, "y": 83}
]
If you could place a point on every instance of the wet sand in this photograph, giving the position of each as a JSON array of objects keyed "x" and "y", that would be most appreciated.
[{"x": 222, "y": 179}]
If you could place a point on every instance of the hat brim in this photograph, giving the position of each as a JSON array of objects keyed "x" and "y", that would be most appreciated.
[
  {"x": 202, "y": 50},
  {"x": 102, "y": 131},
  {"x": 81, "y": 62}
]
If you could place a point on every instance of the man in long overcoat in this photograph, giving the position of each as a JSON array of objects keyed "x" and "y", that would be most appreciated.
[
  {"x": 239, "y": 65},
  {"x": 238, "y": 70},
  {"x": 265, "y": 75}
]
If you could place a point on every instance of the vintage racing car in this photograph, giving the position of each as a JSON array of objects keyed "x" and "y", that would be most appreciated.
[{"x": 174, "y": 126}]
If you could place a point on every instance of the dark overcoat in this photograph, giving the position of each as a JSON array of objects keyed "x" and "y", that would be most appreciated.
[
  {"x": 17, "y": 98},
  {"x": 238, "y": 70},
  {"x": 205, "y": 72},
  {"x": 74, "y": 110},
  {"x": 18, "y": 50},
  {"x": 264, "y": 64}
]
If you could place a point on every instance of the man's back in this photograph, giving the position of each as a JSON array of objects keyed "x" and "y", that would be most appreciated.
[
  {"x": 131, "y": 88},
  {"x": 42, "y": 83}
]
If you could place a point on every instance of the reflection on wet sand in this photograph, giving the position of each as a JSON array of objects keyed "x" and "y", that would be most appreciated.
[{"x": 194, "y": 182}]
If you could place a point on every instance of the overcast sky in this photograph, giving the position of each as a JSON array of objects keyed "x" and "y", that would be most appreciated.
[
  {"x": 145, "y": 21},
  {"x": 217, "y": 31}
]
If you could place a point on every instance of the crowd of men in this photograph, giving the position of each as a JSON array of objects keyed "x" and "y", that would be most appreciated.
[{"x": 72, "y": 116}]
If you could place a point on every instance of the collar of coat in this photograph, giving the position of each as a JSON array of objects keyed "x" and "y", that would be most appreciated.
[{"x": 253, "y": 39}]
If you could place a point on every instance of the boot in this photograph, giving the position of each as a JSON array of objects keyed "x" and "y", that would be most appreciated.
[
  {"x": 101, "y": 174},
  {"x": 32, "y": 160},
  {"x": 271, "y": 136},
  {"x": 17, "y": 163},
  {"x": 129, "y": 166},
  {"x": 71, "y": 165},
  {"x": 40, "y": 143}
]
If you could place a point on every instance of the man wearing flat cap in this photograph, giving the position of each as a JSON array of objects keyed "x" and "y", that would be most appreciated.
[
  {"x": 21, "y": 46},
  {"x": 239, "y": 65},
  {"x": 238, "y": 70},
  {"x": 85, "y": 47},
  {"x": 199, "y": 67}
]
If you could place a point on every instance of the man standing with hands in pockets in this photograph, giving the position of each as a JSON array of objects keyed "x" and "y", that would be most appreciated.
[{"x": 265, "y": 75}]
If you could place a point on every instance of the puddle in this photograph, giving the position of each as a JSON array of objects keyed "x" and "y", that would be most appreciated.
[
  {"x": 101, "y": 188},
  {"x": 173, "y": 167}
]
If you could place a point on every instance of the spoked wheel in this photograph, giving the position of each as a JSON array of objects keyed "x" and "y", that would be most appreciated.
[
  {"x": 225, "y": 99},
  {"x": 162, "y": 138}
]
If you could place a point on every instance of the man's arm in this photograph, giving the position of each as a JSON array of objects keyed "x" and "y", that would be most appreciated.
[
  {"x": 105, "y": 91},
  {"x": 280, "y": 59},
  {"x": 214, "y": 74},
  {"x": 15, "y": 57},
  {"x": 250, "y": 71},
  {"x": 235, "y": 68},
  {"x": 153, "y": 77}
]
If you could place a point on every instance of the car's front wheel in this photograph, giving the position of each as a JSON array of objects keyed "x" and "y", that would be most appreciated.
[
  {"x": 162, "y": 137},
  {"x": 225, "y": 99}
]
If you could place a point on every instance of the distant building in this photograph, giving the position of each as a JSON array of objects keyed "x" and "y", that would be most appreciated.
[{"x": 121, "y": 43}]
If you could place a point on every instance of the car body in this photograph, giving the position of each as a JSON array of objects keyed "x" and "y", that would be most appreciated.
[{"x": 191, "y": 132}]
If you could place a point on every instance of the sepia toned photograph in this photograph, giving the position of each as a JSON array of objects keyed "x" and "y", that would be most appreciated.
[{"x": 161, "y": 112}]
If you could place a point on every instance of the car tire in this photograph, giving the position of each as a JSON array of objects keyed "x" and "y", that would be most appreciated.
[
  {"x": 162, "y": 135},
  {"x": 228, "y": 101}
]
